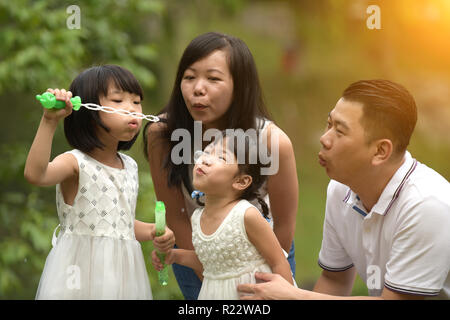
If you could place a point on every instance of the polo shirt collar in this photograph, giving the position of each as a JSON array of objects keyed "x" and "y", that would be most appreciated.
[{"x": 392, "y": 189}]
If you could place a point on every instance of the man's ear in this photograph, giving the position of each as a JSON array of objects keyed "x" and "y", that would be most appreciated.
[
  {"x": 383, "y": 150},
  {"x": 242, "y": 182}
]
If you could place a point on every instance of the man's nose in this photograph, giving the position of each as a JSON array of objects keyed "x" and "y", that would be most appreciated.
[{"x": 325, "y": 140}]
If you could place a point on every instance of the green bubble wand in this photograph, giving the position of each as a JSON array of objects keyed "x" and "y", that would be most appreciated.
[
  {"x": 160, "y": 222},
  {"x": 48, "y": 101}
]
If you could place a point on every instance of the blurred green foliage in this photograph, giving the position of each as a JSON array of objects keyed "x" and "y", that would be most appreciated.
[{"x": 306, "y": 52}]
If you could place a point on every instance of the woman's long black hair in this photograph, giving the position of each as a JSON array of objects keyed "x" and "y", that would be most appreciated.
[{"x": 246, "y": 107}]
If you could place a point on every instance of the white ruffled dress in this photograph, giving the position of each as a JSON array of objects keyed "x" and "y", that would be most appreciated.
[
  {"x": 96, "y": 254},
  {"x": 227, "y": 255}
]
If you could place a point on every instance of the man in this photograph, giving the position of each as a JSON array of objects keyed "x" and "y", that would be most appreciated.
[{"x": 387, "y": 216}]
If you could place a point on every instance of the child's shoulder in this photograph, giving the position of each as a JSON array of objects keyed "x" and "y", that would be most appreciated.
[
  {"x": 129, "y": 160},
  {"x": 250, "y": 212}
]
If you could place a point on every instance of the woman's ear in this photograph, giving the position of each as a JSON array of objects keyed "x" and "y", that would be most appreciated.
[
  {"x": 242, "y": 182},
  {"x": 383, "y": 151}
]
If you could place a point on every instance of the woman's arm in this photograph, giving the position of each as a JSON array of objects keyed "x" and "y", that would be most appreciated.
[
  {"x": 262, "y": 237},
  {"x": 283, "y": 187},
  {"x": 176, "y": 215}
]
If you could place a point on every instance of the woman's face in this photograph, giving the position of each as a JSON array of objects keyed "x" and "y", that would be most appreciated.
[{"x": 207, "y": 88}]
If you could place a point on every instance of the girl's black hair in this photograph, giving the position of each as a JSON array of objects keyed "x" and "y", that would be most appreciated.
[
  {"x": 246, "y": 107},
  {"x": 80, "y": 126},
  {"x": 252, "y": 165}
]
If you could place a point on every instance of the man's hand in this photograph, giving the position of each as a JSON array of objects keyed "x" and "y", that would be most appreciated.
[{"x": 274, "y": 287}]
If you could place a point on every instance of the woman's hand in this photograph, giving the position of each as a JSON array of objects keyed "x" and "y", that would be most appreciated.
[{"x": 56, "y": 115}]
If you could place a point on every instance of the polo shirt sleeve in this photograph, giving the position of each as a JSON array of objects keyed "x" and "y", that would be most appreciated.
[
  {"x": 332, "y": 255},
  {"x": 420, "y": 257}
]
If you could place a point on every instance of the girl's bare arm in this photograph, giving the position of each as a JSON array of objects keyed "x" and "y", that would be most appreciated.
[
  {"x": 262, "y": 237},
  {"x": 38, "y": 168}
]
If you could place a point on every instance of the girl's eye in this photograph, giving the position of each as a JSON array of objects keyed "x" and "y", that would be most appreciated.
[
  {"x": 137, "y": 102},
  {"x": 117, "y": 101},
  {"x": 197, "y": 155}
]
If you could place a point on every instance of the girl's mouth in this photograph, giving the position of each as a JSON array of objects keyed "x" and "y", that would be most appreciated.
[
  {"x": 200, "y": 171},
  {"x": 133, "y": 124}
]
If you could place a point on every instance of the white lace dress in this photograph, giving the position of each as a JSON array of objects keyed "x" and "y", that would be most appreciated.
[
  {"x": 228, "y": 257},
  {"x": 96, "y": 254}
]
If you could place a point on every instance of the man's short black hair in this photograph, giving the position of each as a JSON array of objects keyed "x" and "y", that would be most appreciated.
[
  {"x": 90, "y": 85},
  {"x": 389, "y": 111}
]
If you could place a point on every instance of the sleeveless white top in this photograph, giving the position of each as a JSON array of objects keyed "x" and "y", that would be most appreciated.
[
  {"x": 96, "y": 255},
  {"x": 227, "y": 255}
]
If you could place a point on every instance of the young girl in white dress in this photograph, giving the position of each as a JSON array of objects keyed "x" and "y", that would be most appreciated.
[
  {"x": 97, "y": 254},
  {"x": 231, "y": 238}
]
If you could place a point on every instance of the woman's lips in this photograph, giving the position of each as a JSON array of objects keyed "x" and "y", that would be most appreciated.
[{"x": 199, "y": 106}]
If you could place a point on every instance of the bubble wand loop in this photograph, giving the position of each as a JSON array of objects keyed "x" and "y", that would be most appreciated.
[
  {"x": 48, "y": 101},
  {"x": 160, "y": 224}
]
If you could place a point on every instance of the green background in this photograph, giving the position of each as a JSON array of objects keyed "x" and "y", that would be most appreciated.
[{"x": 306, "y": 52}]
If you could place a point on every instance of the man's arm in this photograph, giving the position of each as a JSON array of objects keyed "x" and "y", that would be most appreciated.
[
  {"x": 277, "y": 288},
  {"x": 336, "y": 283}
]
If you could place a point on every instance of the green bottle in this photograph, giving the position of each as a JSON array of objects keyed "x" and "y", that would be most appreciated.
[{"x": 160, "y": 222}]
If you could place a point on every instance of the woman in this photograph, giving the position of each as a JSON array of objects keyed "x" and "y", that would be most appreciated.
[{"x": 217, "y": 83}]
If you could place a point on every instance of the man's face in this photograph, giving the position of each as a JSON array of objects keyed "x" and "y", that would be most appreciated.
[{"x": 345, "y": 153}]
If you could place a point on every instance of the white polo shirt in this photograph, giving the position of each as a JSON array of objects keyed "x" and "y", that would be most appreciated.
[{"x": 403, "y": 243}]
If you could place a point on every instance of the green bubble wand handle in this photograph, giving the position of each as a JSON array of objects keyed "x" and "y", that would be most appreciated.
[
  {"x": 48, "y": 101},
  {"x": 160, "y": 222}
]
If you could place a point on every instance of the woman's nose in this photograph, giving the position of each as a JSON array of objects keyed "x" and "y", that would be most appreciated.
[{"x": 199, "y": 88}]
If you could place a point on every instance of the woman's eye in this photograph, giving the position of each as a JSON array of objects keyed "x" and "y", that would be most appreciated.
[
  {"x": 214, "y": 79},
  {"x": 188, "y": 77}
]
